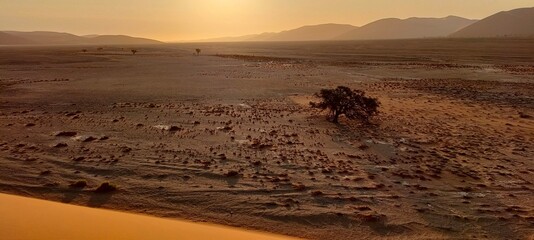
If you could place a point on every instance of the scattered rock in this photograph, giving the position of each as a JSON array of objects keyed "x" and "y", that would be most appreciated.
[
  {"x": 60, "y": 145},
  {"x": 225, "y": 128},
  {"x": 65, "y": 134},
  {"x": 363, "y": 208},
  {"x": 125, "y": 149},
  {"x": 170, "y": 128},
  {"x": 85, "y": 138},
  {"x": 363, "y": 147}
]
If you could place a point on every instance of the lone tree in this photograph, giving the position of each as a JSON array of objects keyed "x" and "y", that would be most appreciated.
[
  {"x": 344, "y": 101},
  {"x": 134, "y": 51},
  {"x": 198, "y": 50}
]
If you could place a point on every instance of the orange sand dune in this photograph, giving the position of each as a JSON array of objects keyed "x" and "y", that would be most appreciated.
[{"x": 32, "y": 219}]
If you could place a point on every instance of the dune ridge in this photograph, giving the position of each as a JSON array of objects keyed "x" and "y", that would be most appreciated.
[{"x": 50, "y": 220}]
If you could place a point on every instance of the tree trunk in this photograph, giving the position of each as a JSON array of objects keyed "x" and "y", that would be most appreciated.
[{"x": 335, "y": 118}]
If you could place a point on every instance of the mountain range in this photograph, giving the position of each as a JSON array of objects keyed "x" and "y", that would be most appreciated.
[
  {"x": 393, "y": 28},
  {"x": 55, "y": 38},
  {"x": 389, "y": 28},
  {"x": 514, "y": 23}
]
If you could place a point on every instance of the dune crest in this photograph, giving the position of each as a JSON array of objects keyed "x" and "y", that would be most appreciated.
[{"x": 50, "y": 220}]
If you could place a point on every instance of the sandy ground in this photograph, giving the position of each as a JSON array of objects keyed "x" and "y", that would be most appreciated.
[
  {"x": 229, "y": 138},
  {"x": 55, "y": 221}
]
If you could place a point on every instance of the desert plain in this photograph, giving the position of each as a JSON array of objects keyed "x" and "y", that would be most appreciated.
[{"x": 228, "y": 136}]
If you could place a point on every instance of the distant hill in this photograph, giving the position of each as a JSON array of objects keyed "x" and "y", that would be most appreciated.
[
  {"x": 55, "y": 38},
  {"x": 91, "y": 35},
  {"x": 42, "y": 37},
  {"x": 308, "y": 33},
  {"x": 9, "y": 39},
  {"x": 393, "y": 28},
  {"x": 119, "y": 39},
  {"x": 230, "y": 39},
  {"x": 514, "y": 23},
  {"x": 390, "y": 28},
  {"x": 262, "y": 36}
]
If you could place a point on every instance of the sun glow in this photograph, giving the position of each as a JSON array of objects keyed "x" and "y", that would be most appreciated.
[{"x": 170, "y": 20}]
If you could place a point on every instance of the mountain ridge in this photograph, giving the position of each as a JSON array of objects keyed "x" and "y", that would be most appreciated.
[
  {"x": 441, "y": 27},
  {"x": 61, "y": 38},
  {"x": 514, "y": 23},
  {"x": 414, "y": 27},
  {"x": 8, "y": 39},
  {"x": 310, "y": 32}
]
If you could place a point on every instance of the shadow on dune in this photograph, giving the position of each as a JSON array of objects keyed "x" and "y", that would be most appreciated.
[
  {"x": 69, "y": 196},
  {"x": 99, "y": 199}
]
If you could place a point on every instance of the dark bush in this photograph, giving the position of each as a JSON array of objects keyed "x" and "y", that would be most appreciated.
[
  {"x": 105, "y": 188},
  {"x": 232, "y": 173},
  {"x": 78, "y": 184}
]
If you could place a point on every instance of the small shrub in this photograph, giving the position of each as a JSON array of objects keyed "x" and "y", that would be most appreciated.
[
  {"x": 316, "y": 193},
  {"x": 299, "y": 187},
  {"x": 105, "y": 188},
  {"x": 524, "y": 115},
  {"x": 232, "y": 173},
  {"x": 78, "y": 184}
]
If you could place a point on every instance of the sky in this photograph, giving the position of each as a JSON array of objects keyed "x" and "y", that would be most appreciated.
[{"x": 182, "y": 20}]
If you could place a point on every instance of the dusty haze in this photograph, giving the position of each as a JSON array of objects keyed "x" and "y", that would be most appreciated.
[{"x": 170, "y": 20}]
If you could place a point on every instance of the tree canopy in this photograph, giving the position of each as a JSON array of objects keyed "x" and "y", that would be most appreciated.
[{"x": 354, "y": 104}]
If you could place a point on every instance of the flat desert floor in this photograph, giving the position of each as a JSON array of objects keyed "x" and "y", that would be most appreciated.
[{"x": 228, "y": 137}]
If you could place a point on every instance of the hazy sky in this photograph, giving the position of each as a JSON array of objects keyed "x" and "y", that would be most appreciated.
[{"x": 172, "y": 20}]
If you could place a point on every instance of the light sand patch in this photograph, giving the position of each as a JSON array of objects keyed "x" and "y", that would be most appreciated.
[
  {"x": 303, "y": 100},
  {"x": 27, "y": 218}
]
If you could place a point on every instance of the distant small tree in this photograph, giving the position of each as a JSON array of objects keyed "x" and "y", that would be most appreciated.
[
  {"x": 134, "y": 51},
  {"x": 198, "y": 50},
  {"x": 84, "y": 50},
  {"x": 344, "y": 101}
]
